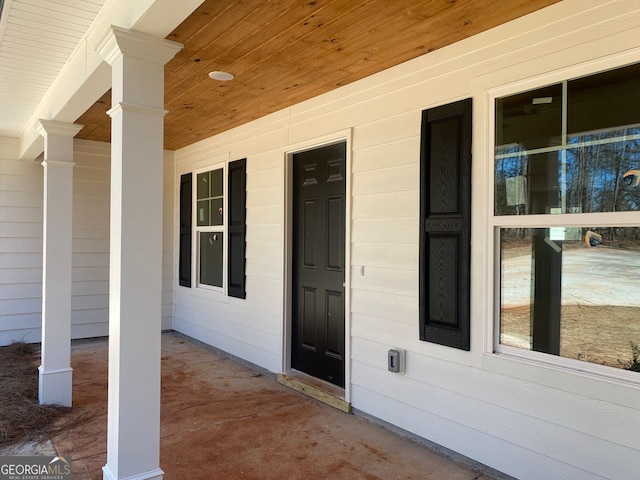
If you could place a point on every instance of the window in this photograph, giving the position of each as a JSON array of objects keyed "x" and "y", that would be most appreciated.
[
  {"x": 209, "y": 230},
  {"x": 215, "y": 230},
  {"x": 567, "y": 217}
]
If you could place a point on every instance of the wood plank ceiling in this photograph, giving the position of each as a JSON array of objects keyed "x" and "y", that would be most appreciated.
[{"x": 286, "y": 51}]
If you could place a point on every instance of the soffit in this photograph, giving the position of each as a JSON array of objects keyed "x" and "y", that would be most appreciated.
[{"x": 37, "y": 37}]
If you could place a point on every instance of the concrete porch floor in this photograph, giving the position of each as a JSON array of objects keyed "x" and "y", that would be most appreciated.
[{"x": 222, "y": 420}]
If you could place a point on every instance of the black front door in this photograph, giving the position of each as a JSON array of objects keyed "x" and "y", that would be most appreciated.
[{"x": 318, "y": 262}]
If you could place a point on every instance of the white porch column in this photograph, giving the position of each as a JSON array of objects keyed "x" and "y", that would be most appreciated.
[
  {"x": 55, "y": 369},
  {"x": 135, "y": 274}
]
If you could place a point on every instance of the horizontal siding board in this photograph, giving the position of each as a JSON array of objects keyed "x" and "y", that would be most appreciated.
[
  {"x": 89, "y": 330},
  {"x": 399, "y": 230},
  {"x": 21, "y": 260},
  {"x": 80, "y": 259},
  {"x": 388, "y": 155},
  {"x": 267, "y": 160},
  {"x": 20, "y": 321},
  {"x": 21, "y": 245},
  {"x": 264, "y": 197},
  {"x": 516, "y": 428},
  {"x": 20, "y": 291},
  {"x": 90, "y": 315},
  {"x": 387, "y": 180},
  {"x": 264, "y": 338},
  {"x": 388, "y": 130},
  {"x": 22, "y": 171},
  {"x": 20, "y": 199},
  {"x": 91, "y": 245},
  {"x": 385, "y": 305},
  {"x": 394, "y": 281},
  {"x": 20, "y": 306},
  {"x": 403, "y": 204},
  {"x": 385, "y": 331},
  {"x": 268, "y": 289},
  {"x": 268, "y": 215},
  {"x": 264, "y": 233},
  {"x": 390, "y": 255},
  {"x": 264, "y": 250},
  {"x": 264, "y": 268},
  {"x": 21, "y": 230},
  {"x": 90, "y": 231},
  {"x": 522, "y": 463},
  {"x": 21, "y": 214},
  {"x": 249, "y": 352},
  {"x": 15, "y": 183},
  {"x": 83, "y": 274},
  {"x": 20, "y": 274},
  {"x": 29, "y": 335},
  {"x": 541, "y": 404},
  {"x": 263, "y": 179},
  {"x": 89, "y": 287}
]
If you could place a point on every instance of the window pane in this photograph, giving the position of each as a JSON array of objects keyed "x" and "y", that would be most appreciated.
[
  {"x": 211, "y": 258},
  {"x": 216, "y": 211},
  {"x": 210, "y": 198},
  {"x": 203, "y": 212},
  {"x": 531, "y": 119},
  {"x": 587, "y": 161},
  {"x": 597, "y": 173},
  {"x": 604, "y": 100},
  {"x": 203, "y": 185},
  {"x": 216, "y": 183},
  {"x": 571, "y": 292}
]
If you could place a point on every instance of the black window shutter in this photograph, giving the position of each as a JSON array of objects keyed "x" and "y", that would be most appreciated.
[
  {"x": 184, "y": 261},
  {"x": 445, "y": 224},
  {"x": 237, "y": 228}
]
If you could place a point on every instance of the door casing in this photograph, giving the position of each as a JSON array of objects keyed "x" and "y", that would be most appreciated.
[{"x": 287, "y": 202}]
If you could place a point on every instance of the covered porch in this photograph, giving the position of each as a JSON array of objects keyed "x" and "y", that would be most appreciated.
[{"x": 224, "y": 419}]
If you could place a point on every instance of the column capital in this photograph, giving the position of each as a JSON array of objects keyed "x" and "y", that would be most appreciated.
[
  {"x": 63, "y": 129},
  {"x": 119, "y": 42}
]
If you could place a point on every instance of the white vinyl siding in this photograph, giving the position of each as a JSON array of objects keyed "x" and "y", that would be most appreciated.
[
  {"x": 21, "y": 186},
  {"x": 90, "y": 273},
  {"x": 527, "y": 419},
  {"x": 20, "y": 247},
  {"x": 249, "y": 328}
]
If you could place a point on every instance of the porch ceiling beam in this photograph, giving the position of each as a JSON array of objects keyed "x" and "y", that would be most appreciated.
[{"x": 86, "y": 77}]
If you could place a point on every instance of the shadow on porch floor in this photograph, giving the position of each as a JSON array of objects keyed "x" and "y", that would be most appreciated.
[{"x": 222, "y": 420}]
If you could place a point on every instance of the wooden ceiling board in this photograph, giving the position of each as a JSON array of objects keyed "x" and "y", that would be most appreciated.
[{"x": 286, "y": 51}]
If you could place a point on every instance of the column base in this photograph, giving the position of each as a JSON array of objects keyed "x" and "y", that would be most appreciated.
[
  {"x": 156, "y": 474},
  {"x": 55, "y": 386}
]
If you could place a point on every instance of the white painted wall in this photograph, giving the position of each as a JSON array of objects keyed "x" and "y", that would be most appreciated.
[
  {"x": 249, "y": 328},
  {"x": 527, "y": 419},
  {"x": 21, "y": 184}
]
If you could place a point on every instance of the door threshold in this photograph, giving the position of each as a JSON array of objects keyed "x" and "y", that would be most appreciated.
[{"x": 315, "y": 388}]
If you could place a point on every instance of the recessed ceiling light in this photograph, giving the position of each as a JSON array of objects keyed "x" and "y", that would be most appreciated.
[{"x": 222, "y": 76}]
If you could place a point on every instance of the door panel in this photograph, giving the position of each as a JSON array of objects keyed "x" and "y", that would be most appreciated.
[{"x": 318, "y": 262}]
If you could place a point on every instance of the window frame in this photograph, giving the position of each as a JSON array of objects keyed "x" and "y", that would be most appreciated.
[
  {"x": 197, "y": 229},
  {"x": 492, "y": 345}
]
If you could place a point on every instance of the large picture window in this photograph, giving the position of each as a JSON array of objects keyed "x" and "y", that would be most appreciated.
[{"x": 567, "y": 217}]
